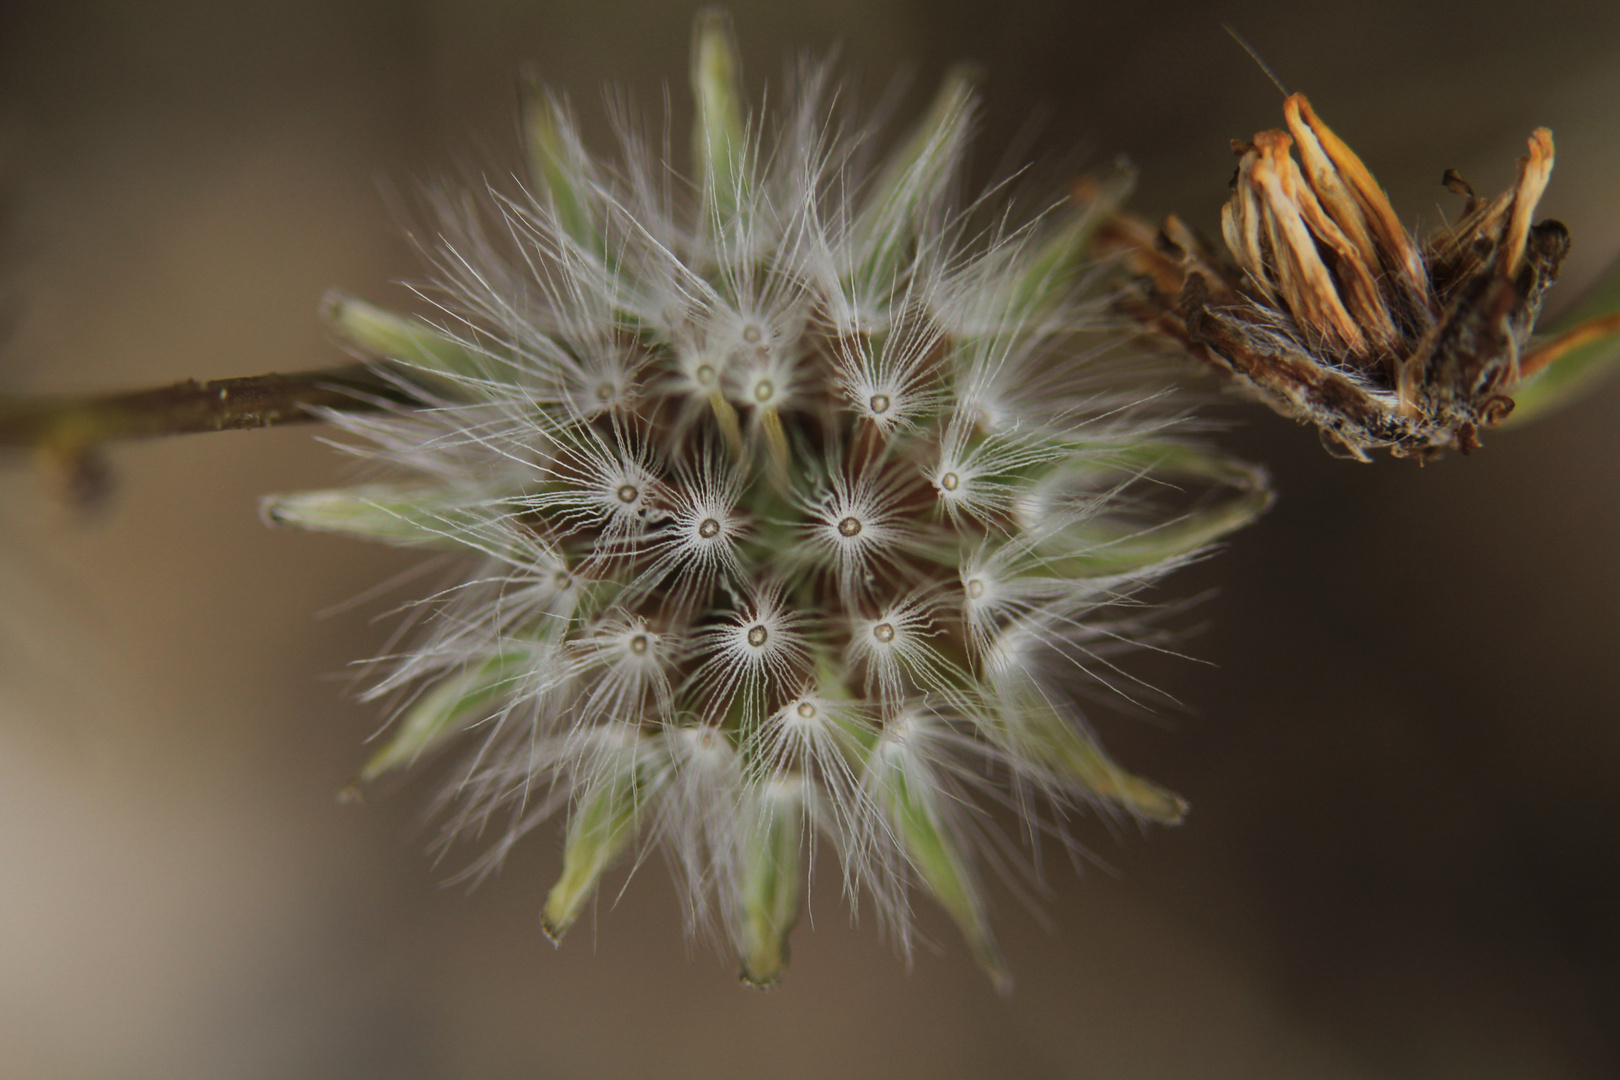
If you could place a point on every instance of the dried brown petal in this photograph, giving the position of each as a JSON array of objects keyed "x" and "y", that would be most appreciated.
[{"x": 1332, "y": 314}]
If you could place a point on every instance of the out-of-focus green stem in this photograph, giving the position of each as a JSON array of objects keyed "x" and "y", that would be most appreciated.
[{"x": 1575, "y": 370}]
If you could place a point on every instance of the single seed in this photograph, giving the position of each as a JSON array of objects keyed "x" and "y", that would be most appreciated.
[
  {"x": 849, "y": 527},
  {"x": 806, "y": 710},
  {"x": 880, "y": 403},
  {"x": 709, "y": 528},
  {"x": 764, "y": 389},
  {"x": 975, "y": 588},
  {"x": 638, "y": 644},
  {"x": 950, "y": 481},
  {"x": 705, "y": 374},
  {"x": 884, "y": 632},
  {"x": 752, "y": 334},
  {"x": 757, "y": 636}
]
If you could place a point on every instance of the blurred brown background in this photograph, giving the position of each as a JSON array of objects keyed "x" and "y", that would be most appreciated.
[{"x": 1404, "y": 854}]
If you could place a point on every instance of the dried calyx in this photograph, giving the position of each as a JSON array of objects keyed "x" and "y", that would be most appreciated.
[{"x": 1335, "y": 315}]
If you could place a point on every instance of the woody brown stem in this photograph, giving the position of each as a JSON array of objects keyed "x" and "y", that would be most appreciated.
[{"x": 72, "y": 425}]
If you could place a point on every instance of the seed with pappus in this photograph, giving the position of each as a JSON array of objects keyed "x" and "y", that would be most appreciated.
[{"x": 800, "y": 503}]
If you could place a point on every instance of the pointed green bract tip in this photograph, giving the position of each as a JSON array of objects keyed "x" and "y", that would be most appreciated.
[
  {"x": 1033, "y": 729},
  {"x": 439, "y": 713},
  {"x": 1101, "y": 546},
  {"x": 1056, "y": 263},
  {"x": 955, "y": 93},
  {"x": 714, "y": 52},
  {"x": 914, "y": 177},
  {"x": 1139, "y": 797},
  {"x": 934, "y": 854},
  {"x": 772, "y": 880},
  {"x": 560, "y": 170},
  {"x": 403, "y": 516},
  {"x": 385, "y": 334},
  {"x": 944, "y": 127},
  {"x": 601, "y": 825},
  {"x": 553, "y": 931},
  {"x": 719, "y": 149}
]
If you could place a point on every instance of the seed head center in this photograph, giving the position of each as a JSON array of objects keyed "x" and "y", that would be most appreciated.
[
  {"x": 709, "y": 528},
  {"x": 850, "y": 526},
  {"x": 757, "y": 635},
  {"x": 705, "y": 374},
  {"x": 805, "y": 710},
  {"x": 638, "y": 644},
  {"x": 884, "y": 632},
  {"x": 880, "y": 403},
  {"x": 561, "y": 579},
  {"x": 628, "y": 493},
  {"x": 605, "y": 392},
  {"x": 950, "y": 481},
  {"x": 752, "y": 334},
  {"x": 976, "y": 588},
  {"x": 764, "y": 390}
]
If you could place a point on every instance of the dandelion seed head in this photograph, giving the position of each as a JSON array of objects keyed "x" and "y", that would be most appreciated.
[{"x": 768, "y": 482}]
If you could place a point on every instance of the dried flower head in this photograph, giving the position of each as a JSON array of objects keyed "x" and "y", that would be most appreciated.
[
  {"x": 796, "y": 509},
  {"x": 1334, "y": 315}
]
